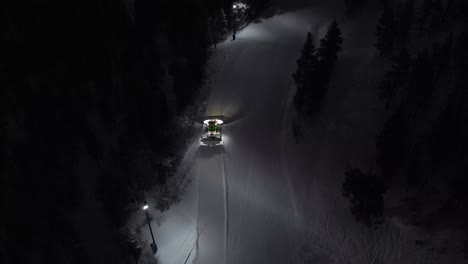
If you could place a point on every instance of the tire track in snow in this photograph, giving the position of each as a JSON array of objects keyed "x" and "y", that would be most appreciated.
[
  {"x": 195, "y": 243},
  {"x": 198, "y": 209},
  {"x": 212, "y": 207},
  {"x": 283, "y": 159},
  {"x": 298, "y": 223},
  {"x": 226, "y": 208}
]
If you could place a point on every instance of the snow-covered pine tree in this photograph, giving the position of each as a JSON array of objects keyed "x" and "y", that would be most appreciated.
[
  {"x": 221, "y": 25},
  {"x": 239, "y": 15},
  {"x": 218, "y": 27}
]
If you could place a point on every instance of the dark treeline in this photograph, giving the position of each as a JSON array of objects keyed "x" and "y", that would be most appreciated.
[
  {"x": 409, "y": 20},
  {"x": 86, "y": 113},
  {"x": 353, "y": 7},
  {"x": 423, "y": 143},
  {"x": 364, "y": 191},
  {"x": 424, "y": 139},
  {"x": 423, "y": 148},
  {"x": 314, "y": 69}
]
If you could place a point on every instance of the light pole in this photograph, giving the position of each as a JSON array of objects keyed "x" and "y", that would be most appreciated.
[
  {"x": 153, "y": 245},
  {"x": 234, "y": 21}
]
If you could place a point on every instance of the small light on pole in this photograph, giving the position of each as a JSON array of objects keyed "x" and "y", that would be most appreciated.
[
  {"x": 234, "y": 6},
  {"x": 153, "y": 246}
]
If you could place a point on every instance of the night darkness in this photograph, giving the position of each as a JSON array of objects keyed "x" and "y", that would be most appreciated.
[{"x": 221, "y": 131}]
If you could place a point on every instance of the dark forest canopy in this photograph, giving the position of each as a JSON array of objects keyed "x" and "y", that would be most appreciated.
[
  {"x": 422, "y": 148},
  {"x": 83, "y": 98}
]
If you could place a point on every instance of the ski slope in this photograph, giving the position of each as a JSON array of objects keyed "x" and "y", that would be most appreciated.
[
  {"x": 261, "y": 198},
  {"x": 247, "y": 206},
  {"x": 244, "y": 206}
]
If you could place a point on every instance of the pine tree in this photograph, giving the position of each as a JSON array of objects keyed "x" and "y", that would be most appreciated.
[
  {"x": 393, "y": 142},
  {"x": 421, "y": 82},
  {"x": 451, "y": 11},
  {"x": 441, "y": 56},
  {"x": 413, "y": 176},
  {"x": 436, "y": 21},
  {"x": 461, "y": 60},
  {"x": 306, "y": 65},
  {"x": 388, "y": 89},
  {"x": 423, "y": 16},
  {"x": 239, "y": 15},
  {"x": 405, "y": 22},
  {"x": 396, "y": 81},
  {"x": 330, "y": 45},
  {"x": 327, "y": 54},
  {"x": 218, "y": 27},
  {"x": 222, "y": 22},
  {"x": 256, "y": 6},
  {"x": 353, "y": 6},
  {"x": 448, "y": 142},
  {"x": 366, "y": 194},
  {"x": 409, "y": 10},
  {"x": 385, "y": 32},
  {"x": 402, "y": 67}
]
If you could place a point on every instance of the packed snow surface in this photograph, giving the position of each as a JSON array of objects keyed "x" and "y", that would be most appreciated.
[{"x": 246, "y": 203}]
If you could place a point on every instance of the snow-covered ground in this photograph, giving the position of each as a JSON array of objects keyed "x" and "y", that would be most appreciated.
[{"x": 263, "y": 198}]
